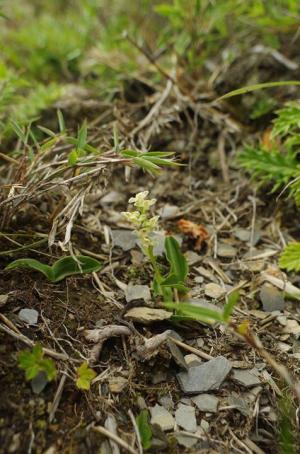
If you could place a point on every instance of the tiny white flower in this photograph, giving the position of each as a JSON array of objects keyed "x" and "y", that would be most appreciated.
[
  {"x": 139, "y": 197},
  {"x": 140, "y": 220}
]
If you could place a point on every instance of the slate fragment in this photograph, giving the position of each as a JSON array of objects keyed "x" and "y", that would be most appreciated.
[
  {"x": 161, "y": 417},
  {"x": 206, "y": 402},
  {"x": 246, "y": 378},
  {"x": 29, "y": 316},
  {"x": 185, "y": 417},
  {"x": 206, "y": 377},
  {"x": 147, "y": 315},
  {"x": 177, "y": 354},
  {"x": 125, "y": 239},
  {"x": 137, "y": 292},
  {"x": 272, "y": 299},
  {"x": 214, "y": 290}
]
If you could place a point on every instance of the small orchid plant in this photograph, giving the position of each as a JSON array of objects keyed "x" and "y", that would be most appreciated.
[
  {"x": 143, "y": 223},
  {"x": 145, "y": 226}
]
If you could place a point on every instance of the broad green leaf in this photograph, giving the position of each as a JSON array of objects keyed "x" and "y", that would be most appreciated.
[
  {"x": 144, "y": 428},
  {"x": 229, "y": 306},
  {"x": 66, "y": 266},
  {"x": 178, "y": 264},
  {"x": 84, "y": 376},
  {"x": 290, "y": 257},
  {"x": 34, "y": 265},
  {"x": 250, "y": 88}
]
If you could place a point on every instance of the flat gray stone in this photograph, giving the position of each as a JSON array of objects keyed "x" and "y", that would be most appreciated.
[
  {"x": 137, "y": 292},
  {"x": 242, "y": 234},
  {"x": 177, "y": 354},
  {"x": 166, "y": 402},
  {"x": 247, "y": 378},
  {"x": 214, "y": 290},
  {"x": 241, "y": 404},
  {"x": 169, "y": 212},
  {"x": 125, "y": 239},
  {"x": 161, "y": 417},
  {"x": 29, "y": 316},
  {"x": 147, "y": 315},
  {"x": 206, "y": 403},
  {"x": 192, "y": 360},
  {"x": 206, "y": 377},
  {"x": 185, "y": 417},
  {"x": 186, "y": 440},
  {"x": 272, "y": 299}
]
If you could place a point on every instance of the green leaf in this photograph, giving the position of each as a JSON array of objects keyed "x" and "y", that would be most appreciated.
[
  {"x": 150, "y": 161},
  {"x": 144, "y": 428},
  {"x": 290, "y": 257},
  {"x": 47, "y": 131},
  {"x": 84, "y": 376},
  {"x": 192, "y": 312},
  {"x": 178, "y": 265},
  {"x": 73, "y": 158},
  {"x": 146, "y": 165},
  {"x": 33, "y": 362},
  {"x": 229, "y": 306},
  {"x": 66, "y": 266},
  {"x": 161, "y": 161},
  {"x": 82, "y": 136},
  {"x": 250, "y": 88},
  {"x": 32, "y": 264},
  {"x": 61, "y": 121},
  {"x": 130, "y": 153},
  {"x": 48, "y": 366}
]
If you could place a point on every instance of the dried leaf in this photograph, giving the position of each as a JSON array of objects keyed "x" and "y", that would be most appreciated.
[{"x": 195, "y": 231}]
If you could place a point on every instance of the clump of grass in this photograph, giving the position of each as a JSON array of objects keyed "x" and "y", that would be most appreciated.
[{"x": 277, "y": 162}]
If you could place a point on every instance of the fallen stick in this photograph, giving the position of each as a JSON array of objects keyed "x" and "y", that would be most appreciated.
[
  {"x": 30, "y": 343},
  {"x": 114, "y": 437}
]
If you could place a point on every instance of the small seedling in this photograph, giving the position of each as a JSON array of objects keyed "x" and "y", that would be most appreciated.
[
  {"x": 144, "y": 428},
  {"x": 85, "y": 375},
  {"x": 62, "y": 268},
  {"x": 33, "y": 362}
]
